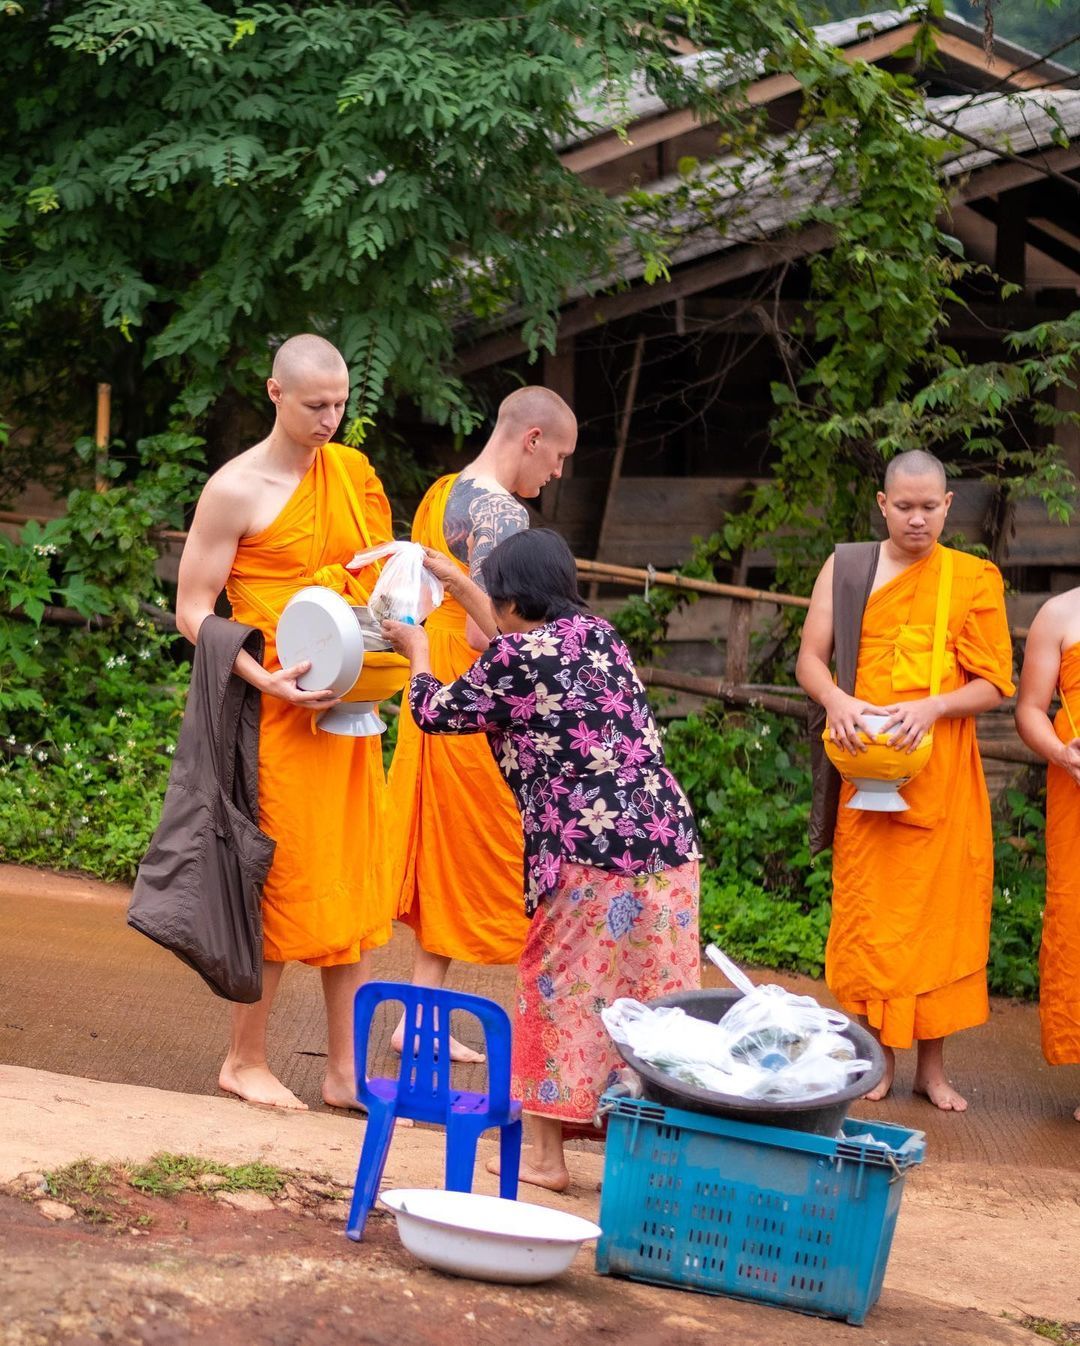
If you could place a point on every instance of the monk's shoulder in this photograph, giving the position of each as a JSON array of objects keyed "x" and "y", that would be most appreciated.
[
  {"x": 975, "y": 569},
  {"x": 355, "y": 463},
  {"x": 235, "y": 482}
]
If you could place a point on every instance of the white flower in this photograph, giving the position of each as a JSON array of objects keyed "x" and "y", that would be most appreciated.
[
  {"x": 170, "y": 748},
  {"x": 539, "y": 643},
  {"x": 84, "y": 820},
  {"x": 547, "y": 744},
  {"x": 599, "y": 661},
  {"x": 651, "y": 737},
  {"x": 651, "y": 782},
  {"x": 41, "y": 755},
  {"x": 121, "y": 713},
  {"x": 597, "y": 818},
  {"x": 547, "y": 702},
  {"x": 131, "y": 743},
  {"x": 45, "y": 549},
  {"x": 68, "y": 747},
  {"x": 603, "y": 761},
  {"x": 509, "y": 758},
  {"x": 765, "y": 730},
  {"x": 11, "y": 738}
]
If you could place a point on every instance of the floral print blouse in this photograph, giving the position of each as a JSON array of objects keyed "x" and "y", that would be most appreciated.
[{"x": 571, "y": 730}]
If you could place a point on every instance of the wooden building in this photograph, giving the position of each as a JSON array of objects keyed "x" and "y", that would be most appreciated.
[{"x": 671, "y": 381}]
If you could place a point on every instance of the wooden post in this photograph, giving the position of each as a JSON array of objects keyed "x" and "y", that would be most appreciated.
[
  {"x": 620, "y": 453},
  {"x": 737, "y": 655},
  {"x": 101, "y": 436}
]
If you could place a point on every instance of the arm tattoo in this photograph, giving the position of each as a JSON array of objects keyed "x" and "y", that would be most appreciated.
[{"x": 477, "y": 520}]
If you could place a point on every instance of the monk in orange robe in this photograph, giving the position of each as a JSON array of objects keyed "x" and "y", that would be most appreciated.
[
  {"x": 284, "y": 515},
  {"x": 457, "y": 860},
  {"x": 912, "y": 891},
  {"x": 1052, "y": 668}
]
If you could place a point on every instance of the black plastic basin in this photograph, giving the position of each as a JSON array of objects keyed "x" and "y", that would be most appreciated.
[{"x": 821, "y": 1115}]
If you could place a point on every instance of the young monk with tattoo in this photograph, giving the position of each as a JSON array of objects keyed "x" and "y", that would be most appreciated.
[{"x": 457, "y": 866}]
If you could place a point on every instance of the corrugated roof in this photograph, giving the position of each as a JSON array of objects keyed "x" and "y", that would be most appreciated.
[
  {"x": 1021, "y": 124},
  {"x": 721, "y": 67}
]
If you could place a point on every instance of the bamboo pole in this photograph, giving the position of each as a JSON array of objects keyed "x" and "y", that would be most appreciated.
[
  {"x": 101, "y": 437},
  {"x": 630, "y": 576},
  {"x": 795, "y": 706}
]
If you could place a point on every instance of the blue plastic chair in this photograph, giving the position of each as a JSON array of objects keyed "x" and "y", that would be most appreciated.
[{"x": 423, "y": 1090}]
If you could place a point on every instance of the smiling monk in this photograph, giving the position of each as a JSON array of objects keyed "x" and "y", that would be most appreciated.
[
  {"x": 458, "y": 845},
  {"x": 910, "y": 926},
  {"x": 284, "y": 515}
]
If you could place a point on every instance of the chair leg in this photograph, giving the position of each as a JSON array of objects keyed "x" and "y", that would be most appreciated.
[
  {"x": 509, "y": 1160},
  {"x": 378, "y": 1133},
  {"x": 462, "y": 1133}
]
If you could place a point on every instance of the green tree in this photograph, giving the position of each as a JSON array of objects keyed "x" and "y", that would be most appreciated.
[{"x": 182, "y": 183}]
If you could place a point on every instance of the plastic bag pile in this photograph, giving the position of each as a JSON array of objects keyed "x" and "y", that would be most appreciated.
[
  {"x": 405, "y": 591},
  {"x": 771, "y": 1044}
]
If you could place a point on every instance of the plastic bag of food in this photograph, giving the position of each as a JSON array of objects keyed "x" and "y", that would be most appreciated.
[
  {"x": 405, "y": 591},
  {"x": 771, "y": 1044}
]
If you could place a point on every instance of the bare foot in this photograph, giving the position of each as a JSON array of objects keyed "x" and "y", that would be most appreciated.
[
  {"x": 940, "y": 1092},
  {"x": 458, "y": 1050},
  {"x": 881, "y": 1089},
  {"x": 554, "y": 1179},
  {"x": 1076, "y": 1115},
  {"x": 258, "y": 1085},
  {"x": 339, "y": 1091}
]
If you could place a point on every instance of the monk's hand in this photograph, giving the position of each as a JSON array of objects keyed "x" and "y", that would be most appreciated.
[
  {"x": 411, "y": 641},
  {"x": 1070, "y": 759},
  {"x": 283, "y": 685},
  {"x": 910, "y": 721},
  {"x": 845, "y": 720},
  {"x": 443, "y": 568}
]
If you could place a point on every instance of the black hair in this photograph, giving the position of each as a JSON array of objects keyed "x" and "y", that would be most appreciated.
[{"x": 535, "y": 571}]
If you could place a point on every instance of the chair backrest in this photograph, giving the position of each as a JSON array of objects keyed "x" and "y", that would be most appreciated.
[{"x": 424, "y": 1086}]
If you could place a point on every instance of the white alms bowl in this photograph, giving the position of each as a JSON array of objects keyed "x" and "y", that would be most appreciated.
[{"x": 487, "y": 1237}]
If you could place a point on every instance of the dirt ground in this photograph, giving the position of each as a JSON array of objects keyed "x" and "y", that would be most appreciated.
[{"x": 91, "y": 1015}]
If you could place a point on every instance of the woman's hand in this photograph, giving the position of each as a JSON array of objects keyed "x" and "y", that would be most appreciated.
[
  {"x": 845, "y": 720},
  {"x": 443, "y": 568},
  {"x": 910, "y": 721},
  {"x": 408, "y": 640}
]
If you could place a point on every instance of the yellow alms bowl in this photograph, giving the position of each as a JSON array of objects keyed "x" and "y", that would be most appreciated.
[
  {"x": 382, "y": 676},
  {"x": 879, "y": 762}
]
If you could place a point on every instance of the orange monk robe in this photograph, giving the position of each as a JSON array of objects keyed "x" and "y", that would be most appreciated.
[
  {"x": 1059, "y": 957},
  {"x": 458, "y": 862},
  {"x": 912, "y": 891},
  {"x": 321, "y": 796}
]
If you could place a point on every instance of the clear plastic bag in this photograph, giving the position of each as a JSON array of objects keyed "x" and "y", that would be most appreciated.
[
  {"x": 771, "y": 1044},
  {"x": 405, "y": 590}
]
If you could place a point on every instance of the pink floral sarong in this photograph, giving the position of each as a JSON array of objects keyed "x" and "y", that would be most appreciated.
[{"x": 599, "y": 935}]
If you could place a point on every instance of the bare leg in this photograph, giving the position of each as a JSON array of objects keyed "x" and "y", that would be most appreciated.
[
  {"x": 340, "y": 985},
  {"x": 931, "y": 1080},
  {"x": 245, "y": 1071},
  {"x": 543, "y": 1163},
  {"x": 881, "y": 1089},
  {"x": 430, "y": 969}
]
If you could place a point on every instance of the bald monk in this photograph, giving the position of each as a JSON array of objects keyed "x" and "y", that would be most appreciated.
[
  {"x": 457, "y": 871},
  {"x": 279, "y": 517},
  {"x": 910, "y": 926},
  {"x": 1052, "y": 668}
]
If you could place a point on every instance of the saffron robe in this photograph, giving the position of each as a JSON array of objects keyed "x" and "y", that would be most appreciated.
[
  {"x": 457, "y": 839},
  {"x": 912, "y": 891},
  {"x": 321, "y": 796},
  {"x": 1059, "y": 956}
]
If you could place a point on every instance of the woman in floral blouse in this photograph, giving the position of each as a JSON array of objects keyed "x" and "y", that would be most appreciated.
[{"x": 611, "y": 872}]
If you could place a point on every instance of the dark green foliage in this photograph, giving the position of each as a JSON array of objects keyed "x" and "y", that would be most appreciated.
[{"x": 184, "y": 183}]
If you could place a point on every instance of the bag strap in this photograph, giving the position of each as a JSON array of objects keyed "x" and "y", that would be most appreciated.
[
  {"x": 1068, "y": 713},
  {"x": 941, "y": 621}
]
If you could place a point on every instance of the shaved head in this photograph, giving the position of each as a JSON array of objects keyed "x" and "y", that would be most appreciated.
[
  {"x": 534, "y": 406},
  {"x": 914, "y": 463},
  {"x": 307, "y": 355}
]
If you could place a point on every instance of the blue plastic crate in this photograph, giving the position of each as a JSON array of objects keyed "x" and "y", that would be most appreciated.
[{"x": 757, "y": 1212}]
